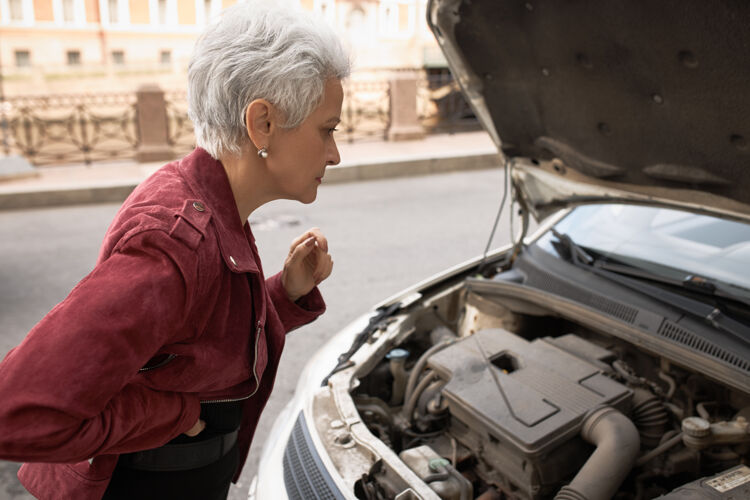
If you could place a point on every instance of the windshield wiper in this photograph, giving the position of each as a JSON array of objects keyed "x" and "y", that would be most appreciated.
[
  {"x": 569, "y": 249},
  {"x": 691, "y": 282},
  {"x": 377, "y": 322},
  {"x": 621, "y": 273}
]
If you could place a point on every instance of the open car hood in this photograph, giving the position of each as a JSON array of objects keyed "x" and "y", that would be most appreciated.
[{"x": 637, "y": 101}]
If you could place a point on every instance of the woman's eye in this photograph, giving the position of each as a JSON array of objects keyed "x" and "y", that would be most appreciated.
[{"x": 331, "y": 131}]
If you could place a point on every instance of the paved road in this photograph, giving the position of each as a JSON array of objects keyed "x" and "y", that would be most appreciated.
[{"x": 384, "y": 236}]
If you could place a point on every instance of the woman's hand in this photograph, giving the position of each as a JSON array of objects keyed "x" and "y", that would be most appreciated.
[
  {"x": 307, "y": 264},
  {"x": 196, "y": 429}
]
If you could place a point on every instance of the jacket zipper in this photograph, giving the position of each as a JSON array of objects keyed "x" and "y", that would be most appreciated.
[
  {"x": 158, "y": 365},
  {"x": 255, "y": 375}
]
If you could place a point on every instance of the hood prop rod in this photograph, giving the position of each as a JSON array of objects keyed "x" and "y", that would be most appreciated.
[{"x": 506, "y": 176}]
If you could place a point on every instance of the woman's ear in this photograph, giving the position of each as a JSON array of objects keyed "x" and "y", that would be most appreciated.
[{"x": 258, "y": 122}]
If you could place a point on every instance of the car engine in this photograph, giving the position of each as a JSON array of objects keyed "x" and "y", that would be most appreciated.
[
  {"x": 530, "y": 406},
  {"x": 501, "y": 403}
]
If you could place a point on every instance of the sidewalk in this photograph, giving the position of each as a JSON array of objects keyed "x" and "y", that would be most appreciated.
[{"x": 112, "y": 182}]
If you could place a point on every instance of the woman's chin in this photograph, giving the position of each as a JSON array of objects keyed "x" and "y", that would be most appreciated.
[
  {"x": 308, "y": 197},
  {"x": 311, "y": 195}
]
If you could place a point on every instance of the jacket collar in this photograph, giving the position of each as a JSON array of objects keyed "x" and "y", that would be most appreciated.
[{"x": 208, "y": 179}]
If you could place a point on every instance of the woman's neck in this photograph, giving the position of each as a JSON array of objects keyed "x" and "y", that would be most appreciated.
[{"x": 248, "y": 183}]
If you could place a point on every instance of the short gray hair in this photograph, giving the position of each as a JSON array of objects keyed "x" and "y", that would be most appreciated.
[{"x": 259, "y": 49}]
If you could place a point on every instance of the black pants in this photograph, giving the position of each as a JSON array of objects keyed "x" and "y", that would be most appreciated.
[{"x": 205, "y": 483}]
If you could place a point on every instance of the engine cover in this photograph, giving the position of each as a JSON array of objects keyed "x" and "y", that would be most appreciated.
[{"x": 524, "y": 409}]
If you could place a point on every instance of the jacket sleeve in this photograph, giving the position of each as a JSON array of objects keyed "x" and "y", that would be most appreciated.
[
  {"x": 69, "y": 390},
  {"x": 294, "y": 314}
]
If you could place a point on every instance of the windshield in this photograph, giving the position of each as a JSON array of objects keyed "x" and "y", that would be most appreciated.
[{"x": 664, "y": 241}]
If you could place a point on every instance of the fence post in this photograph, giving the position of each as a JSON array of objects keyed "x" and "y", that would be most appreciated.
[
  {"x": 404, "y": 123},
  {"x": 152, "y": 124}
]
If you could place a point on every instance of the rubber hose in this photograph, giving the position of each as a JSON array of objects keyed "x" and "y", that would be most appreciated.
[
  {"x": 414, "y": 374},
  {"x": 617, "y": 445},
  {"x": 412, "y": 401}
]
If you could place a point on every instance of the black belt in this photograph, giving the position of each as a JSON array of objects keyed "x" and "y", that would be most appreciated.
[{"x": 184, "y": 456}]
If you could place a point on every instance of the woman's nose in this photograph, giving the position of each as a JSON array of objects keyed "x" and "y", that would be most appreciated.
[{"x": 333, "y": 155}]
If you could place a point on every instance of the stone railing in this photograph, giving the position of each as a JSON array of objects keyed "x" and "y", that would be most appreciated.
[{"x": 152, "y": 124}]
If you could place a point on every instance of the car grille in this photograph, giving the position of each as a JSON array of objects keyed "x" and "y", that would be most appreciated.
[{"x": 305, "y": 476}]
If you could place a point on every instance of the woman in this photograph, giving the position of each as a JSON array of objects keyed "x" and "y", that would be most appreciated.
[{"x": 148, "y": 380}]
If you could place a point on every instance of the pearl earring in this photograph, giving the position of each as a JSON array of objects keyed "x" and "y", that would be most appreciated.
[{"x": 263, "y": 153}]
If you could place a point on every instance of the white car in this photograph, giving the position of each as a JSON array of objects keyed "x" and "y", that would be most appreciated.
[{"x": 608, "y": 354}]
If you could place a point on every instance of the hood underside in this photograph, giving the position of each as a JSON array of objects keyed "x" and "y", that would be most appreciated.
[{"x": 652, "y": 97}]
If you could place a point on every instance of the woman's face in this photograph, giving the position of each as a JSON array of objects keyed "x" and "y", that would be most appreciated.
[{"x": 297, "y": 158}]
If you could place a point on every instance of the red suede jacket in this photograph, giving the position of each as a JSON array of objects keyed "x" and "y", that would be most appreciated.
[{"x": 178, "y": 278}]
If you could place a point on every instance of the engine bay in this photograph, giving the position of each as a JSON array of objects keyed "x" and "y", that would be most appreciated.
[{"x": 490, "y": 398}]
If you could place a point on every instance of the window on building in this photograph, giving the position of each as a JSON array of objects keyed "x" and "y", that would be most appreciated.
[
  {"x": 162, "y": 12},
  {"x": 326, "y": 8},
  {"x": 206, "y": 10},
  {"x": 69, "y": 11},
  {"x": 165, "y": 57},
  {"x": 113, "y": 6},
  {"x": 397, "y": 18},
  {"x": 356, "y": 18},
  {"x": 16, "y": 10},
  {"x": 23, "y": 58},
  {"x": 118, "y": 57},
  {"x": 389, "y": 18},
  {"x": 74, "y": 57},
  {"x": 356, "y": 24}
]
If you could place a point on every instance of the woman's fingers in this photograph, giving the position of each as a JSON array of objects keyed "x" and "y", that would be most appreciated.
[
  {"x": 321, "y": 240},
  {"x": 307, "y": 264},
  {"x": 327, "y": 272},
  {"x": 323, "y": 268},
  {"x": 196, "y": 429},
  {"x": 302, "y": 250},
  {"x": 314, "y": 232},
  {"x": 299, "y": 239}
]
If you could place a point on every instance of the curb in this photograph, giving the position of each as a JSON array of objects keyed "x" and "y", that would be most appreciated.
[
  {"x": 410, "y": 167},
  {"x": 53, "y": 197},
  {"x": 117, "y": 191}
]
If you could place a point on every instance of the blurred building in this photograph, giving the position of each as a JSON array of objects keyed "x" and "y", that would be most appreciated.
[
  {"x": 382, "y": 33},
  {"x": 54, "y": 46}
]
